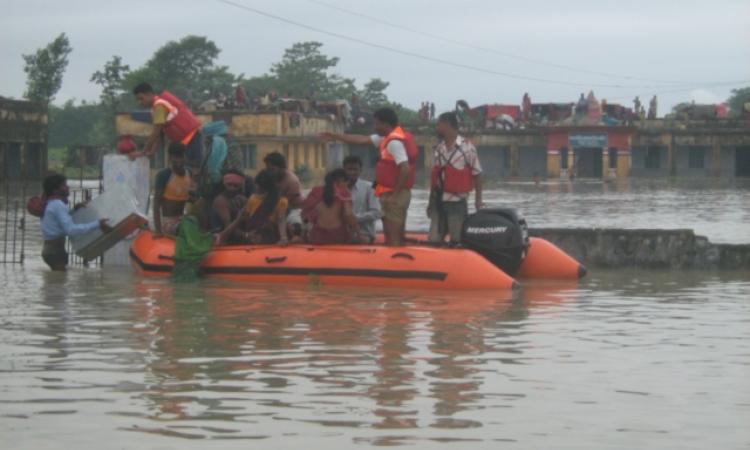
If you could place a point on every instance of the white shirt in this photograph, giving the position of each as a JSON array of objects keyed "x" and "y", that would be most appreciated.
[
  {"x": 395, "y": 148},
  {"x": 366, "y": 206}
]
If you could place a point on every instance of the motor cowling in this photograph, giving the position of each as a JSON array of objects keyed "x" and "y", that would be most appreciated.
[{"x": 500, "y": 235}]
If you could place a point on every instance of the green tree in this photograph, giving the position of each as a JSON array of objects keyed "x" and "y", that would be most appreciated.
[
  {"x": 373, "y": 94},
  {"x": 74, "y": 124},
  {"x": 737, "y": 101},
  {"x": 110, "y": 78},
  {"x": 45, "y": 69},
  {"x": 680, "y": 111},
  {"x": 304, "y": 72},
  {"x": 260, "y": 85},
  {"x": 187, "y": 68}
]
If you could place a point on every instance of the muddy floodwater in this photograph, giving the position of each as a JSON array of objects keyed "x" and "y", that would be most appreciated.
[{"x": 100, "y": 359}]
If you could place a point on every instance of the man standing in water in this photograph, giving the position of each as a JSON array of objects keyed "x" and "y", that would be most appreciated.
[
  {"x": 57, "y": 222},
  {"x": 394, "y": 172},
  {"x": 455, "y": 173},
  {"x": 172, "y": 117},
  {"x": 171, "y": 193}
]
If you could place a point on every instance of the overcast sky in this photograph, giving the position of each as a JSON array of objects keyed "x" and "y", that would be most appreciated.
[{"x": 683, "y": 45}]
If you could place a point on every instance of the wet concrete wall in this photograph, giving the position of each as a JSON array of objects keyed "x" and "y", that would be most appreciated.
[{"x": 646, "y": 248}]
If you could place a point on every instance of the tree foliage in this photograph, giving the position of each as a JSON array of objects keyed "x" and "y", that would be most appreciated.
[
  {"x": 45, "y": 69},
  {"x": 304, "y": 71},
  {"x": 110, "y": 78},
  {"x": 373, "y": 94},
  {"x": 74, "y": 124},
  {"x": 737, "y": 101},
  {"x": 187, "y": 68}
]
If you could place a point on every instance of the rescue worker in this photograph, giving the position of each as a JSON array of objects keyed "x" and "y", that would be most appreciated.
[
  {"x": 394, "y": 172},
  {"x": 172, "y": 117},
  {"x": 455, "y": 173}
]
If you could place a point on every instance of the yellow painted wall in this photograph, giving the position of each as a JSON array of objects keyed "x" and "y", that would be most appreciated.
[
  {"x": 623, "y": 164},
  {"x": 247, "y": 125},
  {"x": 553, "y": 164}
]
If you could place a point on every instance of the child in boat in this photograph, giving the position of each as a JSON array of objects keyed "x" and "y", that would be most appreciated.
[
  {"x": 329, "y": 209},
  {"x": 263, "y": 220}
]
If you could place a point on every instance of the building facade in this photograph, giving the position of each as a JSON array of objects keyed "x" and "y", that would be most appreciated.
[
  {"x": 649, "y": 148},
  {"x": 645, "y": 148},
  {"x": 23, "y": 140}
]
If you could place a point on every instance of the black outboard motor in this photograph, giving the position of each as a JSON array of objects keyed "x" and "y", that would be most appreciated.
[{"x": 500, "y": 235}]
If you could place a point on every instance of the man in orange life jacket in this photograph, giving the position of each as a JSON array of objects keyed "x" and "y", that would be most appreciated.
[
  {"x": 394, "y": 172},
  {"x": 172, "y": 117},
  {"x": 455, "y": 173}
]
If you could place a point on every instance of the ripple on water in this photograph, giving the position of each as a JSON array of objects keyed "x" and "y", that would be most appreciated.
[{"x": 621, "y": 360}]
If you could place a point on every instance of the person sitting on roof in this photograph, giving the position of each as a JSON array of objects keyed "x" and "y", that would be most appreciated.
[
  {"x": 172, "y": 188},
  {"x": 329, "y": 209},
  {"x": 263, "y": 220},
  {"x": 228, "y": 204}
]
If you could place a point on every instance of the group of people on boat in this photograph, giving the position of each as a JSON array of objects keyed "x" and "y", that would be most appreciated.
[{"x": 271, "y": 209}]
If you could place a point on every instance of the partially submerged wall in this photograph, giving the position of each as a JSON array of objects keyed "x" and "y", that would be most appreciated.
[{"x": 646, "y": 248}]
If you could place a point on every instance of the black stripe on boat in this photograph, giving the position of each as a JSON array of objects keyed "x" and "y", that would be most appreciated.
[{"x": 303, "y": 271}]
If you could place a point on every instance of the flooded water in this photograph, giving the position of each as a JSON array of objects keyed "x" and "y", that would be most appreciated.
[
  {"x": 99, "y": 359},
  {"x": 718, "y": 209}
]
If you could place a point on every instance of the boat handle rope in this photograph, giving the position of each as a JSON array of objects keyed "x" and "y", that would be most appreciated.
[{"x": 275, "y": 259}]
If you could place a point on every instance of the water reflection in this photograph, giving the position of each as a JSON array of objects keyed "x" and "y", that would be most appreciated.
[{"x": 109, "y": 355}]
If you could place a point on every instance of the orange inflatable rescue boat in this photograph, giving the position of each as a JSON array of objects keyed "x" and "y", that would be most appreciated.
[
  {"x": 495, "y": 247},
  {"x": 411, "y": 266}
]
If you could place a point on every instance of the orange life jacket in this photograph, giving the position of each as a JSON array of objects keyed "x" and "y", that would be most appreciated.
[
  {"x": 181, "y": 124},
  {"x": 386, "y": 169},
  {"x": 454, "y": 181}
]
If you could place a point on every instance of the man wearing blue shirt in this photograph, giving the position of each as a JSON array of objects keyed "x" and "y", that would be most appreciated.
[{"x": 57, "y": 222}]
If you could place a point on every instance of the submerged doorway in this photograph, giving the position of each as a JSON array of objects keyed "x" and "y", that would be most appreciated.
[
  {"x": 742, "y": 161},
  {"x": 588, "y": 162}
]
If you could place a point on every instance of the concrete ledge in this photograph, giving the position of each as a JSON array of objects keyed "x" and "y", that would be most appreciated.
[{"x": 646, "y": 248}]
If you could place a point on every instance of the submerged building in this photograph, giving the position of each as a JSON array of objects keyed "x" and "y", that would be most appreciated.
[
  {"x": 552, "y": 141},
  {"x": 650, "y": 148},
  {"x": 23, "y": 139}
]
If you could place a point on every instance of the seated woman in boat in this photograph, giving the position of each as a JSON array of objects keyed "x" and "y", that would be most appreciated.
[
  {"x": 229, "y": 204},
  {"x": 263, "y": 220},
  {"x": 329, "y": 209}
]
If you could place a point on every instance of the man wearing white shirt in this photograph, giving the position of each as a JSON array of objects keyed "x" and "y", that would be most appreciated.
[{"x": 365, "y": 203}]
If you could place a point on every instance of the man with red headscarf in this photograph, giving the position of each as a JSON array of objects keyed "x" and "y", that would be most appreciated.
[{"x": 228, "y": 204}]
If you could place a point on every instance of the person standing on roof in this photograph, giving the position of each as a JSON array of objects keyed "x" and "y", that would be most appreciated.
[
  {"x": 394, "y": 172},
  {"x": 174, "y": 119},
  {"x": 455, "y": 173}
]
